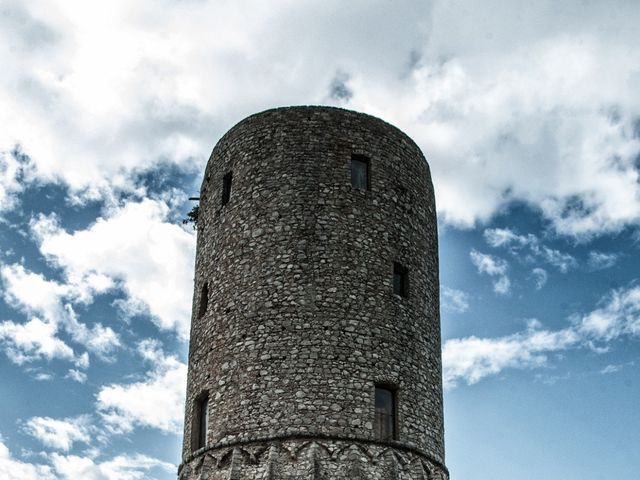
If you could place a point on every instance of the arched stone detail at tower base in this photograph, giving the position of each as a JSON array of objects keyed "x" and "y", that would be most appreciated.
[{"x": 310, "y": 459}]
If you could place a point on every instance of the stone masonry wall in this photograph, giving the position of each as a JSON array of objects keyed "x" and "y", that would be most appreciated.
[{"x": 301, "y": 320}]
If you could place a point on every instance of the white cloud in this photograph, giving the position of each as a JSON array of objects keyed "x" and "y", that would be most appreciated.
[
  {"x": 63, "y": 73},
  {"x": 454, "y": 300},
  {"x": 517, "y": 244},
  {"x": 14, "y": 167},
  {"x": 97, "y": 339},
  {"x": 504, "y": 237},
  {"x": 563, "y": 261},
  {"x": 488, "y": 264},
  {"x": 470, "y": 359},
  {"x": 33, "y": 291},
  {"x": 32, "y": 341},
  {"x": 73, "y": 467},
  {"x": 610, "y": 369},
  {"x": 76, "y": 375},
  {"x": 83, "y": 361},
  {"x": 148, "y": 101},
  {"x": 125, "y": 406},
  {"x": 35, "y": 294},
  {"x": 122, "y": 467},
  {"x": 524, "y": 124},
  {"x": 150, "y": 349},
  {"x": 502, "y": 285},
  {"x": 507, "y": 111},
  {"x": 495, "y": 267},
  {"x": 135, "y": 246},
  {"x": 38, "y": 294},
  {"x": 60, "y": 434},
  {"x": 12, "y": 469},
  {"x": 540, "y": 277},
  {"x": 601, "y": 260},
  {"x": 619, "y": 315}
]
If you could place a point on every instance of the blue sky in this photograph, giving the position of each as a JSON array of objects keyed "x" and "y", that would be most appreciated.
[{"x": 529, "y": 116}]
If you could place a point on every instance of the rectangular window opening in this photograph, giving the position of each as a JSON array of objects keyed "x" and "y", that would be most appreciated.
[
  {"x": 360, "y": 172},
  {"x": 385, "y": 413},
  {"x": 226, "y": 188},
  {"x": 400, "y": 280},
  {"x": 200, "y": 422},
  {"x": 204, "y": 300}
]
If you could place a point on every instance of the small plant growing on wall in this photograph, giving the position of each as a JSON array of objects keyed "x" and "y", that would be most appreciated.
[{"x": 192, "y": 217}]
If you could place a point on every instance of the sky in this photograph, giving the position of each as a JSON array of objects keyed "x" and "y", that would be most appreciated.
[{"x": 529, "y": 116}]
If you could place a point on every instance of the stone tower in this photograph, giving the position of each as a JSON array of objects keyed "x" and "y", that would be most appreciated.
[{"x": 315, "y": 336}]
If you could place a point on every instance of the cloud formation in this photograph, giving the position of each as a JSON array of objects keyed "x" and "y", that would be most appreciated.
[
  {"x": 121, "y": 467},
  {"x": 471, "y": 359},
  {"x": 601, "y": 260},
  {"x": 12, "y": 469},
  {"x": 74, "y": 467},
  {"x": 34, "y": 294},
  {"x": 33, "y": 340},
  {"x": 454, "y": 300},
  {"x": 619, "y": 315},
  {"x": 562, "y": 104},
  {"x": 492, "y": 108},
  {"x": 495, "y": 267},
  {"x": 14, "y": 170},
  {"x": 133, "y": 100},
  {"x": 529, "y": 248},
  {"x": 126, "y": 406},
  {"x": 540, "y": 277},
  {"x": 60, "y": 434},
  {"x": 133, "y": 247}
]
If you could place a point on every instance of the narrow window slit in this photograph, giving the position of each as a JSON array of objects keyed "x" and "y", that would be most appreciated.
[
  {"x": 204, "y": 300},
  {"x": 360, "y": 172},
  {"x": 385, "y": 413},
  {"x": 200, "y": 422},
  {"x": 400, "y": 280},
  {"x": 226, "y": 188}
]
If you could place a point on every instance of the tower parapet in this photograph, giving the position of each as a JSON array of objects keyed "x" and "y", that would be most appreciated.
[{"x": 315, "y": 337}]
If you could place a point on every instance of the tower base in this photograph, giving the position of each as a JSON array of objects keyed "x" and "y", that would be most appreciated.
[{"x": 310, "y": 459}]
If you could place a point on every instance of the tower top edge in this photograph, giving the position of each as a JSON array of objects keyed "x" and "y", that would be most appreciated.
[
  {"x": 337, "y": 112},
  {"x": 317, "y": 109}
]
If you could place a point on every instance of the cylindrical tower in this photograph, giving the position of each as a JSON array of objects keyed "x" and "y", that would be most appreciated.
[{"x": 315, "y": 336}]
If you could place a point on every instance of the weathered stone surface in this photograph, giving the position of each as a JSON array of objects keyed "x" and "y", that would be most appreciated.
[
  {"x": 311, "y": 459},
  {"x": 301, "y": 321}
]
